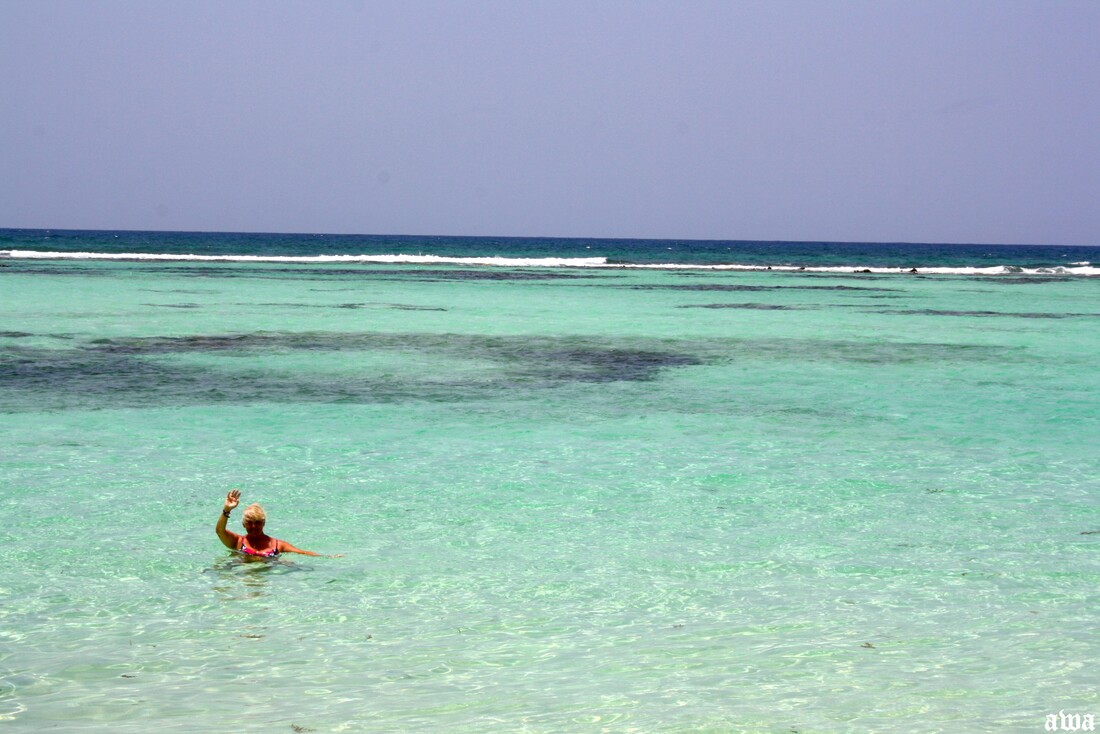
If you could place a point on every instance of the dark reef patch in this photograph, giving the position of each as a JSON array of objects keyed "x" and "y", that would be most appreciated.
[
  {"x": 289, "y": 304},
  {"x": 871, "y": 353},
  {"x": 141, "y": 372},
  {"x": 747, "y": 306},
  {"x": 983, "y": 314},
  {"x": 35, "y": 267},
  {"x": 145, "y": 372},
  {"x": 346, "y": 306},
  {"x": 556, "y": 359},
  {"x": 1024, "y": 279},
  {"x": 588, "y": 363},
  {"x": 739, "y": 288}
]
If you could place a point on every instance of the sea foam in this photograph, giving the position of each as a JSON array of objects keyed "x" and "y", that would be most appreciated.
[{"x": 1077, "y": 269}]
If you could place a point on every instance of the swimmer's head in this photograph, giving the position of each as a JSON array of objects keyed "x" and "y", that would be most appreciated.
[{"x": 254, "y": 515}]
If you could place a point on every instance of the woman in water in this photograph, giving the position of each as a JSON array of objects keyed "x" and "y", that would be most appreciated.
[{"x": 254, "y": 542}]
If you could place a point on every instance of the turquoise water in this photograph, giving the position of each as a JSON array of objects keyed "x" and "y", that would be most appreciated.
[{"x": 568, "y": 499}]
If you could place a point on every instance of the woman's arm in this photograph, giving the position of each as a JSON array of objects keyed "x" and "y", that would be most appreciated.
[
  {"x": 228, "y": 538},
  {"x": 285, "y": 547}
]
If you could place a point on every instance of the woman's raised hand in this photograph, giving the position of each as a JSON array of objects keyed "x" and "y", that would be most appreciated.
[{"x": 232, "y": 499}]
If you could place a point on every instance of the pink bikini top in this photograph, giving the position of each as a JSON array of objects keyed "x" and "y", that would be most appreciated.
[{"x": 269, "y": 553}]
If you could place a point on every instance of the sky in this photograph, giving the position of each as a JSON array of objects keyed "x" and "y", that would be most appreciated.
[{"x": 888, "y": 121}]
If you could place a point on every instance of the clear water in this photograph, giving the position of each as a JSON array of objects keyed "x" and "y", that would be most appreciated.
[{"x": 569, "y": 500}]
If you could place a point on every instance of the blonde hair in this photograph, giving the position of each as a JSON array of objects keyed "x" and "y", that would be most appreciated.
[{"x": 254, "y": 513}]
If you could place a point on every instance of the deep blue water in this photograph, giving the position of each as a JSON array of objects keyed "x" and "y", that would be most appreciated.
[{"x": 809, "y": 254}]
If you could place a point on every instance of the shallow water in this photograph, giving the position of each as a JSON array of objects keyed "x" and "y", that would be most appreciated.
[{"x": 608, "y": 501}]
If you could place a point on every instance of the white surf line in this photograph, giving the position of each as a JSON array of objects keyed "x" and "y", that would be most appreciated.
[
  {"x": 583, "y": 262},
  {"x": 309, "y": 259}
]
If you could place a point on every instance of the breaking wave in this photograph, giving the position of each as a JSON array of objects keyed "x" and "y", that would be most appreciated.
[{"x": 1074, "y": 269}]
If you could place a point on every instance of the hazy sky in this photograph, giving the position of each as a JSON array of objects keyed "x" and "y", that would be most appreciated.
[{"x": 882, "y": 121}]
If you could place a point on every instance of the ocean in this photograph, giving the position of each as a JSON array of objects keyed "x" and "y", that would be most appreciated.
[{"x": 579, "y": 485}]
